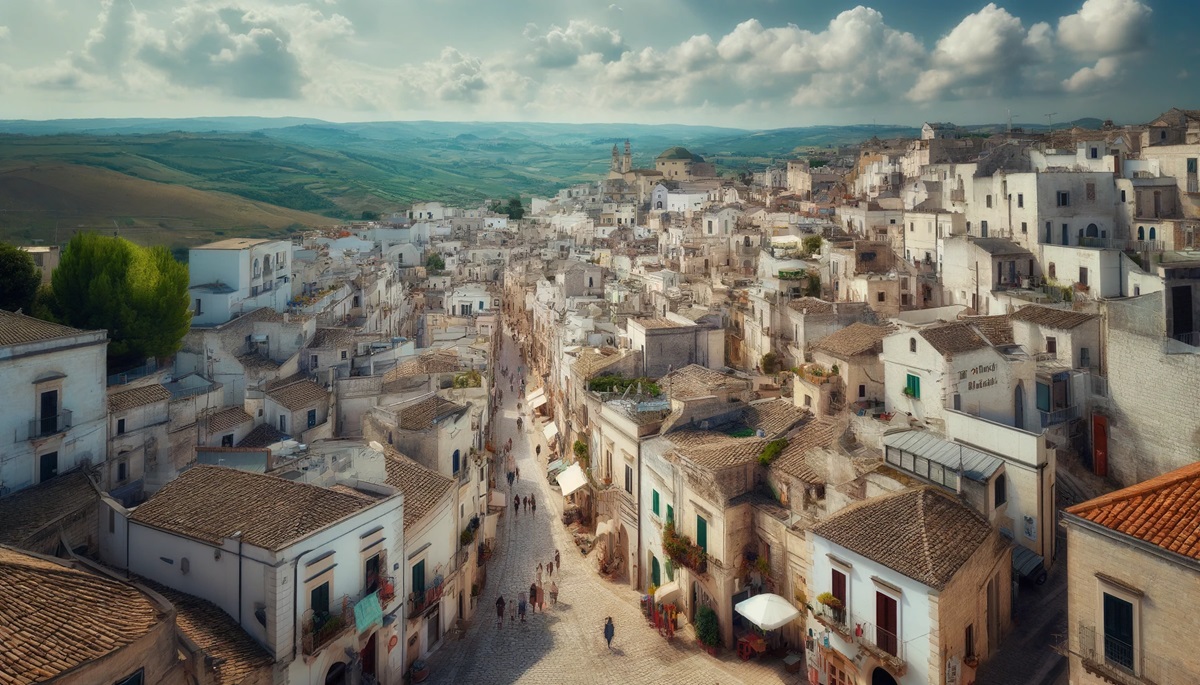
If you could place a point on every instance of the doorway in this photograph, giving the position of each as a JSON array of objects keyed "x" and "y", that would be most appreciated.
[
  {"x": 1019, "y": 407},
  {"x": 1181, "y": 311},
  {"x": 1100, "y": 445},
  {"x": 882, "y": 677},
  {"x": 47, "y": 466},
  {"x": 49, "y": 414},
  {"x": 336, "y": 675},
  {"x": 368, "y": 656}
]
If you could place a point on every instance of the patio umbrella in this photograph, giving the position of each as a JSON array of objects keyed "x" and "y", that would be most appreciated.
[{"x": 767, "y": 611}]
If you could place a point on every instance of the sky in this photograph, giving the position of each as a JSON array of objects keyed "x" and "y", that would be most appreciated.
[{"x": 753, "y": 64}]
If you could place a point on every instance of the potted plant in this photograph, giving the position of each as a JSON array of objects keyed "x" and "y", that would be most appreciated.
[
  {"x": 420, "y": 671},
  {"x": 708, "y": 631}
]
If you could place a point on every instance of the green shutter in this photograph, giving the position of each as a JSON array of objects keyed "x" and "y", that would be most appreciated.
[
  {"x": 654, "y": 571},
  {"x": 913, "y": 386},
  {"x": 418, "y": 577},
  {"x": 654, "y": 502},
  {"x": 670, "y": 514},
  {"x": 702, "y": 533}
]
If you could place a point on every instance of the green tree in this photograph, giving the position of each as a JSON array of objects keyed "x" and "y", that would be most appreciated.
[
  {"x": 138, "y": 294},
  {"x": 812, "y": 244},
  {"x": 816, "y": 163},
  {"x": 435, "y": 262},
  {"x": 370, "y": 216},
  {"x": 19, "y": 279},
  {"x": 515, "y": 210}
]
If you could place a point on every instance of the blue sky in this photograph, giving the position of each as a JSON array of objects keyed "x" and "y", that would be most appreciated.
[{"x": 745, "y": 63}]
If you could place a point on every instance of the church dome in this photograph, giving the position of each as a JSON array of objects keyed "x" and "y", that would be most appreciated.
[{"x": 679, "y": 152}]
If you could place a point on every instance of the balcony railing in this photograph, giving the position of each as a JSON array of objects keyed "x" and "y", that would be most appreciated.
[
  {"x": 1053, "y": 418},
  {"x": 883, "y": 645},
  {"x": 319, "y": 628},
  {"x": 1123, "y": 663},
  {"x": 50, "y": 425},
  {"x": 418, "y": 602}
]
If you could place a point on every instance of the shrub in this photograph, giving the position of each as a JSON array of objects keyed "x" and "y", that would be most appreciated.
[
  {"x": 770, "y": 363},
  {"x": 771, "y": 451},
  {"x": 708, "y": 631}
]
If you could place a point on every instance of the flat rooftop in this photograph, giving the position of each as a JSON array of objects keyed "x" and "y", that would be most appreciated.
[{"x": 233, "y": 244}]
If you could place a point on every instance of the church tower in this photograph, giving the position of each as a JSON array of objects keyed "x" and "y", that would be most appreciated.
[
  {"x": 627, "y": 166},
  {"x": 616, "y": 163}
]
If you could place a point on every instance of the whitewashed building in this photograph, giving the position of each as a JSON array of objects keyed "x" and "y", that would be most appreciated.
[{"x": 238, "y": 275}]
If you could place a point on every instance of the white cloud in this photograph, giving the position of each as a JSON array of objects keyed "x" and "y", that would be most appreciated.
[
  {"x": 981, "y": 56},
  {"x": 455, "y": 77},
  {"x": 1105, "y": 27},
  {"x": 1090, "y": 78},
  {"x": 563, "y": 47},
  {"x": 4, "y": 32}
]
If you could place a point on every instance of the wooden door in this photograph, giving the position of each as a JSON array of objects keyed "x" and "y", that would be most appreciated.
[
  {"x": 1100, "y": 445},
  {"x": 886, "y": 624}
]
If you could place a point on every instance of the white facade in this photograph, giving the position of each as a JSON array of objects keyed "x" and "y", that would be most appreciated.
[{"x": 238, "y": 275}]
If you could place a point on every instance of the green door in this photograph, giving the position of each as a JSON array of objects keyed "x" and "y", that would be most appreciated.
[
  {"x": 702, "y": 533},
  {"x": 655, "y": 572}
]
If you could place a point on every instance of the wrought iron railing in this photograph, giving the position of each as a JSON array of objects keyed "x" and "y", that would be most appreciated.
[
  {"x": 1053, "y": 418},
  {"x": 50, "y": 425},
  {"x": 1120, "y": 662},
  {"x": 319, "y": 628}
]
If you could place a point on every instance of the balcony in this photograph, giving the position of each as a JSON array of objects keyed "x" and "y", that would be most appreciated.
[
  {"x": 834, "y": 618},
  {"x": 885, "y": 646},
  {"x": 50, "y": 425},
  {"x": 319, "y": 628},
  {"x": 418, "y": 602},
  {"x": 1122, "y": 663},
  {"x": 1053, "y": 418}
]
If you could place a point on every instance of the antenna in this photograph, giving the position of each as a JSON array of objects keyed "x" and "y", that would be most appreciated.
[
  {"x": 1050, "y": 120},
  {"x": 1010, "y": 118}
]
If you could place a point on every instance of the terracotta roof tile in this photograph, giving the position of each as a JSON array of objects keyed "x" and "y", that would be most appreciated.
[
  {"x": 236, "y": 656},
  {"x": 953, "y": 338},
  {"x": 54, "y": 618},
  {"x": 1164, "y": 511},
  {"x": 17, "y": 329},
  {"x": 332, "y": 337},
  {"x": 138, "y": 397},
  {"x": 27, "y": 512},
  {"x": 423, "y": 488},
  {"x": 775, "y": 417},
  {"x": 855, "y": 339},
  {"x": 798, "y": 458},
  {"x": 997, "y": 329},
  {"x": 421, "y": 415},
  {"x": 1062, "y": 319},
  {"x": 715, "y": 451},
  {"x": 211, "y": 503},
  {"x": 257, "y": 362},
  {"x": 227, "y": 419},
  {"x": 697, "y": 381},
  {"x": 921, "y": 532},
  {"x": 589, "y": 362},
  {"x": 438, "y": 361},
  {"x": 652, "y": 323},
  {"x": 299, "y": 395},
  {"x": 263, "y": 435},
  {"x": 811, "y": 305}
]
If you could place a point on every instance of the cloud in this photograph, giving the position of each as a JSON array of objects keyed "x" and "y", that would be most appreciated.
[
  {"x": 455, "y": 77},
  {"x": 564, "y": 47},
  {"x": 981, "y": 56},
  {"x": 1105, "y": 27},
  {"x": 4, "y": 32},
  {"x": 1089, "y": 78}
]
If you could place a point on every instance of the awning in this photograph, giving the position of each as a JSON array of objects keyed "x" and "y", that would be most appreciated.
[
  {"x": 572, "y": 479},
  {"x": 603, "y": 528},
  {"x": 556, "y": 465},
  {"x": 489, "y": 526},
  {"x": 666, "y": 592},
  {"x": 550, "y": 431},
  {"x": 536, "y": 399},
  {"x": 767, "y": 611},
  {"x": 497, "y": 499}
]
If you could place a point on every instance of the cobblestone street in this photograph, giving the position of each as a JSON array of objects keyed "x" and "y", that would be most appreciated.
[{"x": 566, "y": 644}]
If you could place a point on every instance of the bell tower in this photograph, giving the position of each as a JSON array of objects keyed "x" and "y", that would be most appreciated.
[
  {"x": 616, "y": 163},
  {"x": 627, "y": 165}
]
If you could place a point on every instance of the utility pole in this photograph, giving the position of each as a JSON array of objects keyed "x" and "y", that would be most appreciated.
[{"x": 1050, "y": 120}]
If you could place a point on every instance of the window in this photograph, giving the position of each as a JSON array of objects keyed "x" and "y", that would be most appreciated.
[
  {"x": 318, "y": 600},
  {"x": 654, "y": 502},
  {"x": 282, "y": 423},
  {"x": 1122, "y": 196},
  {"x": 912, "y": 227},
  {"x": 1020, "y": 199},
  {"x": 456, "y": 459},
  {"x": 122, "y": 471},
  {"x": 120, "y": 426},
  {"x": 1000, "y": 490},
  {"x": 1118, "y": 631},
  {"x": 312, "y": 417},
  {"x": 983, "y": 229},
  {"x": 1090, "y": 192},
  {"x": 1043, "y": 397},
  {"x": 838, "y": 590},
  {"x": 1085, "y": 358},
  {"x": 912, "y": 387},
  {"x": 887, "y": 625},
  {"x": 862, "y": 390},
  {"x": 199, "y": 307},
  {"x": 1095, "y": 153},
  {"x": 629, "y": 479},
  {"x": 1052, "y": 344},
  {"x": 1083, "y": 275},
  {"x": 969, "y": 641},
  {"x": 227, "y": 440},
  {"x": 701, "y": 533},
  {"x": 371, "y": 573},
  {"x": 138, "y": 678},
  {"x": 912, "y": 344},
  {"x": 1191, "y": 165},
  {"x": 989, "y": 201},
  {"x": 344, "y": 354},
  {"x": 879, "y": 297},
  {"x": 670, "y": 514},
  {"x": 1064, "y": 198},
  {"x": 312, "y": 361},
  {"x": 1024, "y": 227},
  {"x": 418, "y": 578}
]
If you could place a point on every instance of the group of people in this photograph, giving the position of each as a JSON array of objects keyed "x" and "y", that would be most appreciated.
[
  {"x": 535, "y": 599},
  {"x": 528, "y": 501}
]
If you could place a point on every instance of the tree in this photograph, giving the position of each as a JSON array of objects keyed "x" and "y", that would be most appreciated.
[
  {"x": 19, "y": 279},
  {"x": 515, "y": 210},
  {"x": 370, "y": 216},
  {"x": 138, "y": 294},
  {"x": 811, "y": 245},
  {"x": 434, "y": 262},
  {"x": 816, "y": 163}
]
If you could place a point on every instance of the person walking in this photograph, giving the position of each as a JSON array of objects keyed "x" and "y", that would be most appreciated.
[
  {"x": 518, "y": 473},
  {"x": 521, "y": 606},
  {"x": 557, "y": 562},
  {"x": 525, "y": 503},
  {"x": 533, "y": 588},
  {"x": 541, "y": 598},
  {"x": 609, "y": 630},
  {"x": 532, "y": 505},
  {"x": 553, "y": 593},
  {"x": 516, "y": 505},
  {"x": 539, "y": 572},
  {"x": 550, "y": 568},
  {"x": 538, "y": 450},
  {"x": 500, "y": 612},
  {"x": 510, "y": 479}
]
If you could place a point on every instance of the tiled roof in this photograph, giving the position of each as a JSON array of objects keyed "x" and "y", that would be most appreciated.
[
  {"x": 775, "y": 417},
  {"x": 855, "y": 339},
  {"x": 953, "y": 338},
  {"x": 421, "y": 415},
  {"x": 24, "y": 514},
  {"x": 54, "y": 618},
  {"x": 921, "y": 532},
  {"x": 423, "y": 488},
  {"x": 998, "y": 246},
  {"x": 236, "y": 656},
  {"x": 714, "y": 451},
  {"x": 694, "y": 380},
  {"x": 18, "y": 329},
  {"x": 332, "y": 337},
  {"x": 299, "y": 395},
  {"x": 138, "y": 397},
  {"x": 1164, "y": 511},
  {"x": 798, "y": 460},
  {"x": 227, "y": 418},
  {"x": 997, "y": 329},
  {"x": 589, "y": 363},
  {"x": 211, "y": 503},
  {"x": 1062, "y": 319},
  {"x": 439, "y": 361},
  {"x": 263, "y": 435},
  {"x": 811, "y": 305},
  {"x": 257, "y": 362},
  {"x": 656, "y": 322}
]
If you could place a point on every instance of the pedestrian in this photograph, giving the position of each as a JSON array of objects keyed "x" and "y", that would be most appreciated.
[
  {"x": 609, "y": 629},
  {"x": 521, "y": 606},
  {"x": 510, "y": 479},
  {"x": 516, "y": 504},
  {"x": 553, "y": 593},
  {"x": 538, "y": 450},
  {"x": 532, "y": 504},
  {"x": 550, "y": 569},
  {"x": 518, "y": 473},
  {"x": 539, "y": 572},
  {"x": 541, "y": 598},
  {"x": 500, "y": 611},
  {"x": 525, "y": 503},
  {"x": 557, "y": 562}
]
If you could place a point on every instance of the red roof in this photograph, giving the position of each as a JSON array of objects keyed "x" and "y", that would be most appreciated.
[{"x": 1164, "y": 511}]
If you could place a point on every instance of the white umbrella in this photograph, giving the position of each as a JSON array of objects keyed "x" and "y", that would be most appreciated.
[{"x": 767, "y": 611}]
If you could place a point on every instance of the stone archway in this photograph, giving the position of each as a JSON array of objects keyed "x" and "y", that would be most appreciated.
[{"x": 882, "y": 677}]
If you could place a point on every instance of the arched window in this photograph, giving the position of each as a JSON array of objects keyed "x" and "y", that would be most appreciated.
[
  {"x": 456, "y": 460},
  {"x": 1052, "y": 274},
  {"x": 1001, "y": 490},
  {"x": 1152, "y": 233},
  {"x": 1093, "y": 231},
  {"x": 912, "y": 344},
  {"x": 1141, "y": 232}
]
